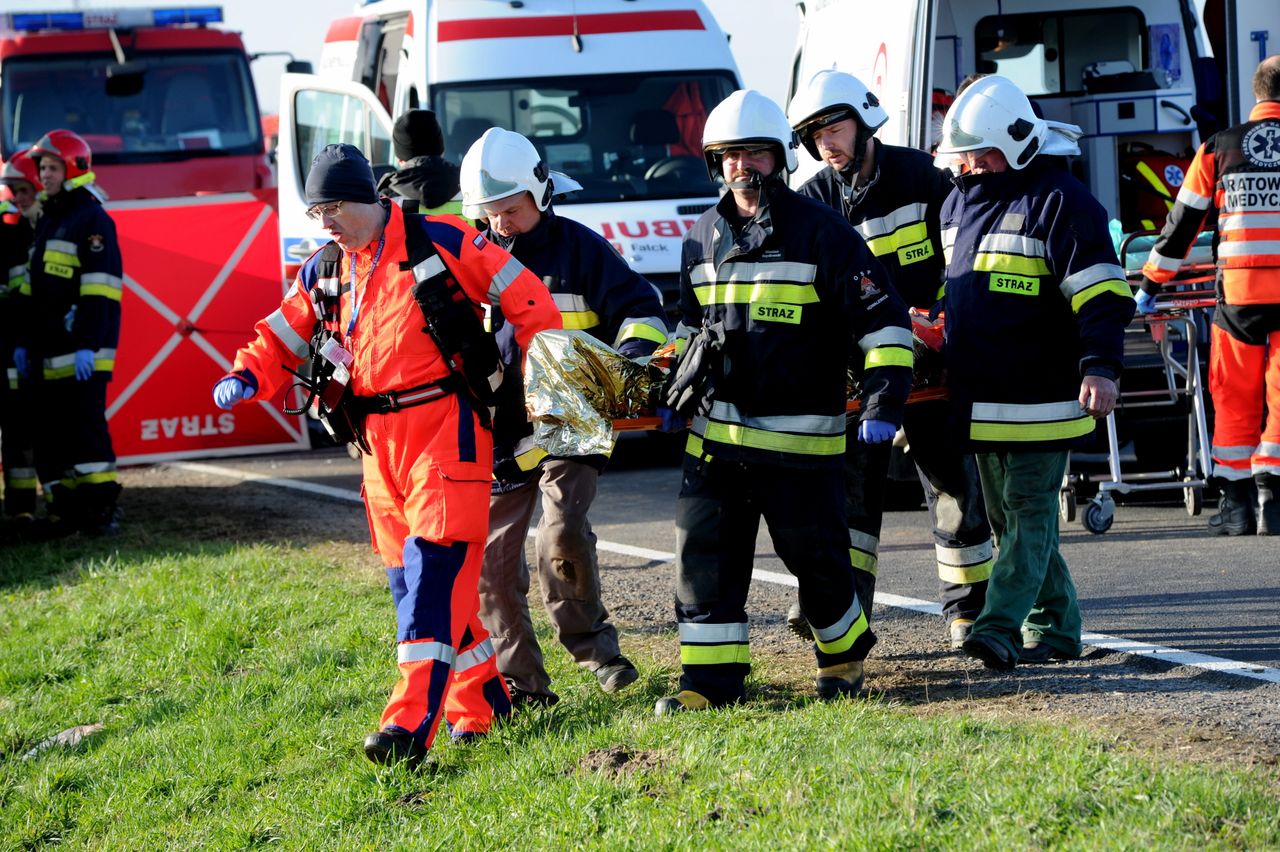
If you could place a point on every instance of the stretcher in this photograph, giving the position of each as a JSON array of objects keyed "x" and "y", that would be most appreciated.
[{"x": 1168, "y": 341}]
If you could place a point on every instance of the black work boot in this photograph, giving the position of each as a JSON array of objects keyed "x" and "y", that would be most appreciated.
[
  {"x": 395, "y": 745},
  {"x": 1268, "y": 485},
  {"x": 1236, "y": 514}
]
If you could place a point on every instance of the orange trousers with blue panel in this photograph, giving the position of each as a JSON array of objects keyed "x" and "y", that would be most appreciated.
[{"x": 426, "y": 491}]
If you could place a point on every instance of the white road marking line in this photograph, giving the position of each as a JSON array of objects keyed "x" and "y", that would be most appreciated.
[{"x": 1099, "y": 640}]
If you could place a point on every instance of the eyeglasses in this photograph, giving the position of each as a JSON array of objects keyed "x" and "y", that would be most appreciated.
[{"x": 320, "y": 210}]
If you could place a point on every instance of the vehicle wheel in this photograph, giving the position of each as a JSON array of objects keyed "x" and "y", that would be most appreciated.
[
  {"x": 1067, "y": 505},
  {"x": 1193, "y": 499},
  {"x": 1099, "y": 515}
]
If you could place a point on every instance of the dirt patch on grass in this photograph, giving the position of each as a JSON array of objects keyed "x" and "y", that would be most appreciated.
[{"x": 618, "y": 761}]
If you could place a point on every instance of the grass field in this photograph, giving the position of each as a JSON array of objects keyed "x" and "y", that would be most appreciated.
[{"x": 235, "y": 683}]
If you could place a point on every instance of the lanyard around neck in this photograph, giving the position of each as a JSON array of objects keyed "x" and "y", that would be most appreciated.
[{"x": 356, "y": 294}]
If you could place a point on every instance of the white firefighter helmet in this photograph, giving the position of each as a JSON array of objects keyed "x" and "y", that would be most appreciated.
[
  {"x": 747, "y": 117},
  {"x": 994, "y": 113},
  {"x": 502, "y": 163},
  {"x": 830, "y": 96}
]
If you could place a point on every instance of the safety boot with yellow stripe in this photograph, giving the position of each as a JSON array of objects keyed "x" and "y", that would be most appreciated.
[
  {"x": 844, "y": 679},
  {"x": 681, "y": 702}
]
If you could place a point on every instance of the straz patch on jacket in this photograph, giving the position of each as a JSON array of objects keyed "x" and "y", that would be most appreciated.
[
  {"x": 1003, "y": 282},
  {"x": 914, "y": 253},
  {"x": 61, "y": 270},
  {"x": 765, "y": 312}
]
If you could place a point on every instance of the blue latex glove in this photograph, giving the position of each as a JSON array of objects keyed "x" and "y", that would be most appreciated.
[
  {"x": 227, "y": 392},
  {"x": 876, "y": 431},
  {"x": 20, "y": 361},
  {"x": 84, "y": 365},
  {"x": 1146, "y": 302},
  {"x": 671, "y": 422}
]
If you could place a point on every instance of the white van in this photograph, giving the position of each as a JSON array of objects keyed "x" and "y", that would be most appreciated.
[
  {"x": 1142, "y": 76},
  {"x": 613, "y": 93}
]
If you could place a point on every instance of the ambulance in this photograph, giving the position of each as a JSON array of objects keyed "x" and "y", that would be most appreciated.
[
  {"x": 613, "y": 93},
  {"x": 165, "y": 100},
  {"x": 1146, "y": 80}
]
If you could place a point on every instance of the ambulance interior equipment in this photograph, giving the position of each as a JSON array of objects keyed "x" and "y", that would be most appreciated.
[{"x": 142, "y": 86}]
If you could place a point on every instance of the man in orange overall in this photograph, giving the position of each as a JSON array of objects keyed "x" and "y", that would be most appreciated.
[
  {"x": 423, "y": 418},
  {"x": 1237, "y": 173}
]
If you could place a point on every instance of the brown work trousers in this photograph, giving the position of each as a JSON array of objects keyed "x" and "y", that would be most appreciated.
[{"x": 568, "y": 575}]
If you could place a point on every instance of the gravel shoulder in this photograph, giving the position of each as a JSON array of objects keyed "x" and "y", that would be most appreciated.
[{"x": 1137, "y": 702}]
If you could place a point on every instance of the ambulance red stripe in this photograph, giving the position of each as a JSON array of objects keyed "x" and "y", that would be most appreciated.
[{"x": 562, "y": 25}]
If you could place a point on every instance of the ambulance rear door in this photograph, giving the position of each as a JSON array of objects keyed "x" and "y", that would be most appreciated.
[{"x": 315, "y": 112}]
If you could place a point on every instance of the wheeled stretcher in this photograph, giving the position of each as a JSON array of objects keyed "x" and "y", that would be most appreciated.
[{"x": 1169, "y": 342}]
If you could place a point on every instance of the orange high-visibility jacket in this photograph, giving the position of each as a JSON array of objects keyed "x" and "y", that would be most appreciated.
[{"x": 1236, "y": 172}]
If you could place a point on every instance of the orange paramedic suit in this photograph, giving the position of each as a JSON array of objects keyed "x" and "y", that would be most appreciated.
[
  {"x": 426, "y": 481},
  {"x": 1237, "y": 172}
]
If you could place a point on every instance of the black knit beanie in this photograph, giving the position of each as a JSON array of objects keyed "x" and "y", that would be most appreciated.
[
  {"x": 417, "y": 134},
  {"x": 340, "y": 173}
]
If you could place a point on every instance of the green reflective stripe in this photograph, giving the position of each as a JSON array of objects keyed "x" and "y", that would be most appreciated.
[
  {"x": 77, "y": 182},
  {"x": 889, "y": 336},
  {"x": 744, "y": 292},
  {"x": 711, "y": 655},
  {"x": 846, "y": 640},
  {"x": 21, "y": 478},
  {"x": 60, "y": 367},
  {"x": 97, "y": 478},
  {"x": 965, "y": 574},
  {"x": 889, "y": 356},
  {"x": 449, "y": 207},
  {"x": 530, "y": 459},
  {"x": 1063, "y": 430},
  {"x": 104, "y": 365},
  {"x": 908, "y": 255},
  {"x": 693, "y": 446},
  {"x": 1120, "y": 288},
  {"x": 649, "y": 328},
  {"x": 759, "y": 439},
  {"x": 909, "y": 235},
  {"x": 12, "y": 375},
  {"x": 1011, "y": 263},
  {"x": 942, "y": 293},
  {"x": 579, "y": 320},
  {"x": 25, "y": 289},
  {"x": 100, "y": 284},
  {"x": 864, "y": 561}
]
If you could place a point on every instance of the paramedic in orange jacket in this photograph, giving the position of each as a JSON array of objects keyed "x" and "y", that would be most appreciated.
[
  {"x": 426, "y": 478},
  {"x": 1237, "y": 173}
]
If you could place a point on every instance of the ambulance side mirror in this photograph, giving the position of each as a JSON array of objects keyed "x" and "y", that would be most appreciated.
[{"x": 298, "y": 66}]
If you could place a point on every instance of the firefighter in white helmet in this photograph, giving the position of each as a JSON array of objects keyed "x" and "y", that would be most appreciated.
[
  {"x": 776, "y": 290},
  {"x": 505, "y": 182},
  {"x": 893, "y": 196},
  {"x": 1036, "y": 308}
]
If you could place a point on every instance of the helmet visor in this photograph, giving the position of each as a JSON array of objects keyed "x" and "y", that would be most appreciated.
[
  {"x": 956, "y": 139},
  {"x": 491, "y": 187}
]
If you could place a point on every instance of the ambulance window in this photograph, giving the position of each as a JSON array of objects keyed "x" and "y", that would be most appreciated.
[
  {"x": 1046, "y": 54},
  {"x": 325, "y": 118}
]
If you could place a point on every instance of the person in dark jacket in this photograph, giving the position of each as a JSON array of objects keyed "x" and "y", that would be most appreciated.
[
  {"x": 423, "y": 174},
  {"x": 893, "y": 196},
  {"x": 21, "y": 483},
  {"x": 67, "y": 345},
  {"x": 1036, "y": 308},
  {"x": 775, "y": 292},
  {"x": 506, "y": 183}
]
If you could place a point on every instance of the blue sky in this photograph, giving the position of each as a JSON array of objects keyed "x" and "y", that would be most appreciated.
[{"x": 763, "y": 33}]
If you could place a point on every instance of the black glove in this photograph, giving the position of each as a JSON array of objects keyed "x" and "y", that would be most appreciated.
[{"x": 692, "y": 384}]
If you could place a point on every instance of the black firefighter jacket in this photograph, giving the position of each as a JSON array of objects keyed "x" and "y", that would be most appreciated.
[
  {"x": 1035, "y": 300},
  {"x": 75, "y": 286},
  {"x": 795, "y": 289}
]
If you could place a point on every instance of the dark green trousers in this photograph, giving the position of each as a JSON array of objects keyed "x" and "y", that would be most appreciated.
[{"x": 1031, "y": 592}]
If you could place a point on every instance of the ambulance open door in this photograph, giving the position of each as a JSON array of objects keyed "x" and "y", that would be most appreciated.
[{"x": 315, "y": 112}]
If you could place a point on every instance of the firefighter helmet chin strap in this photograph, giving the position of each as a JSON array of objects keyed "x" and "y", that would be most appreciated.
[{"x": 754, "y": 180}]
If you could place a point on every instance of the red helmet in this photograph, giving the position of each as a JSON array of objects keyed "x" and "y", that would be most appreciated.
[
  {"x": 21, "y": 167},
  {"x": 69, "y": 148}
]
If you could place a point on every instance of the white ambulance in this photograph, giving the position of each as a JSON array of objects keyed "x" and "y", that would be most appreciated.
[
  {"x": 613, "y": 93},
  {"x": 1146, "y": 80}
]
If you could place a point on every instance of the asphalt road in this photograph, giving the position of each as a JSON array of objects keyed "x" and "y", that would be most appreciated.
[{"x": 1156, "y": 577}]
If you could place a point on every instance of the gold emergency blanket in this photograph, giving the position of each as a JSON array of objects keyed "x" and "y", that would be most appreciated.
[{"x": 575, "y": 386}]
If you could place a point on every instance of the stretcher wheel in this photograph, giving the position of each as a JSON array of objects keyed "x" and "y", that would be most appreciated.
[
  {"x": 1067, "y": 505},
  {"x": 1099, "y": 514},
  {"x": 1193, "y": 499}
]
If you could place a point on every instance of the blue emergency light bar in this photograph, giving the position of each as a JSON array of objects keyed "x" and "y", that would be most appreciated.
[{"x": 98, "y": 19}]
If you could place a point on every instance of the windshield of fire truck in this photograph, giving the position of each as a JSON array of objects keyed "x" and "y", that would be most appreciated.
[
  {"x": 185, "y": 104},
  {"x": 624, "y": 137}
]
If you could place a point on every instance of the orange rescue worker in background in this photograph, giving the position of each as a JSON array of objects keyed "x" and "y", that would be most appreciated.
[
  {"x": 1237, "y": 172},
  {"x": 429, "y": 465}
]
